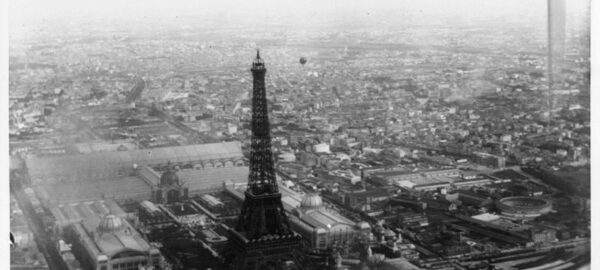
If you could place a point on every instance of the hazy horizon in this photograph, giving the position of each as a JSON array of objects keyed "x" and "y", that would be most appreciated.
[{"x": 30, "y": 14}]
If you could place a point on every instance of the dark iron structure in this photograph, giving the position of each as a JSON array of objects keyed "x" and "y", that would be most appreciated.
[{"x": 263, "y": 238}]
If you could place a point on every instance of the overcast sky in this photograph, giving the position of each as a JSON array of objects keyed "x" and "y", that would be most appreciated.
[{"x": 31, "y": 11}]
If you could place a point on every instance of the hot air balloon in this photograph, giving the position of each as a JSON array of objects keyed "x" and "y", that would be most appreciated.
[{"x": 303, "y": 60}]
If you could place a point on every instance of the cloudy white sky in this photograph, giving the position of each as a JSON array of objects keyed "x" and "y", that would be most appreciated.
[{"x": 28, "y": 11}]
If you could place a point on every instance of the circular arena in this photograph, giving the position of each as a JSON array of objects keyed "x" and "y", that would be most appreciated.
[{"x": 524, "y": 207}]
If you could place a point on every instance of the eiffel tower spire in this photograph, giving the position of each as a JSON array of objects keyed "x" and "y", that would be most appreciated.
[
  {"x": 262, "y": 173},
  {"x": 262, "y": 238},
  {"x": 262, "y": 213}
]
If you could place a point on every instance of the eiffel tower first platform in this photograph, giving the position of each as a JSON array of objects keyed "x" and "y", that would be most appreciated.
[{"x": 263, "y": 238}]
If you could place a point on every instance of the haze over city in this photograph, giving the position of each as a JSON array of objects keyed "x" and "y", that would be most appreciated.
[{"x": 300, "y": 134}]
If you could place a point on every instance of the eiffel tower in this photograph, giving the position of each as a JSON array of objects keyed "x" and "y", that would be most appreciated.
[{"x": 263, "y": 238}]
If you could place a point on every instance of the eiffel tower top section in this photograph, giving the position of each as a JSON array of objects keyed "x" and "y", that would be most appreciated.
[
  {"x": 258, "y": 63},
  {"x": 262, "y": 173}
]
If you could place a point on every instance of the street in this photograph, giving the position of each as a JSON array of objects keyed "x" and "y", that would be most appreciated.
[{"x": 42, "y": 239}]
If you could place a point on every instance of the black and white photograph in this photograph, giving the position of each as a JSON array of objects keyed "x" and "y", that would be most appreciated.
[{"x": 298, "y": 134}]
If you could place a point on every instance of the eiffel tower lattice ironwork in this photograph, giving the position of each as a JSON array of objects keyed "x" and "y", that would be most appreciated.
[{"x": 263, "y": 238}]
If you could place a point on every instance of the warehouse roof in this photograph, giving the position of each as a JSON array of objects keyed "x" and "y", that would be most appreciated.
[
  {"x": 105, "y": 161},
  {"x": 203, "y": 179},
  {"x": 120, "y": 188}
]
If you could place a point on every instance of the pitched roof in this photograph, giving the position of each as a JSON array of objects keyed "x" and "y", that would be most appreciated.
[
  {"x": 204, "y": 179},
  {"x": 130, "y": 187},
  {"x": 102, "y": 161},
  {"x": 325, "y": 219},
  {"x": 87, "y": 216}
]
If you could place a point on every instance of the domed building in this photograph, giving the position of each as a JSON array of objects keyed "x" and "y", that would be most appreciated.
[
  {"x": 169, "y": 177},
  {"x": 323, "y": 227},
  {"x": 311, "y": 201},
  {"x": 110, "y": 242},
  {"x": 110, "y": 224},
  {"x": 169, "y": 189}
]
